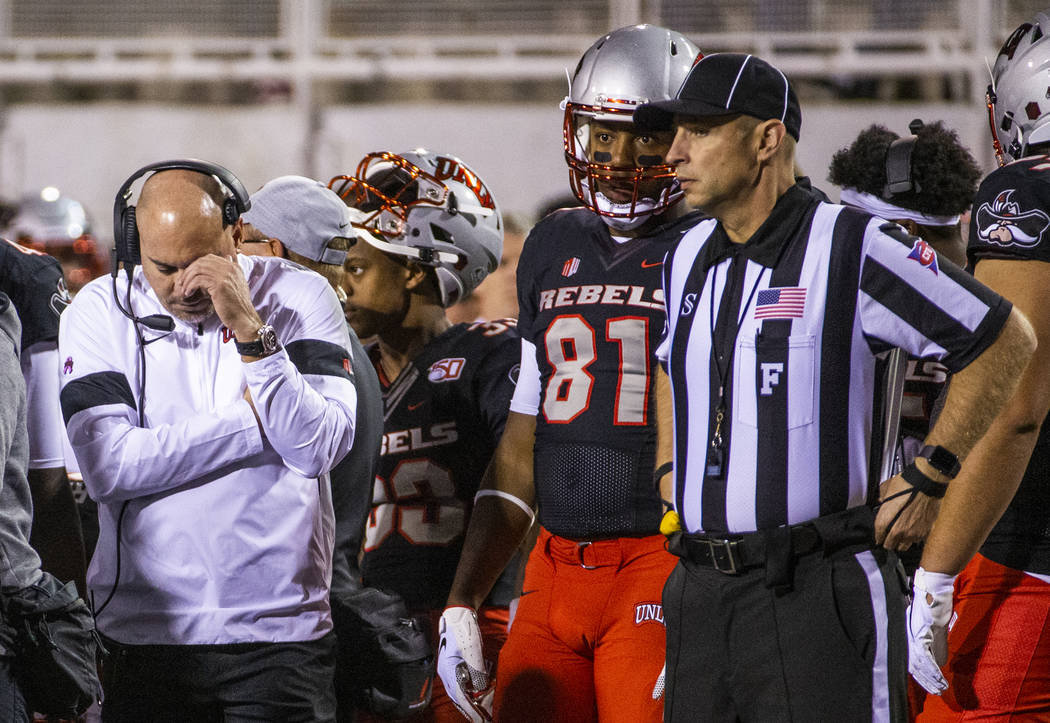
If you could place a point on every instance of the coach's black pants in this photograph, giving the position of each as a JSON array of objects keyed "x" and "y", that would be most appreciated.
[
  {"x": 205, "y": 683},
  {"x": 831, "y": 647}
]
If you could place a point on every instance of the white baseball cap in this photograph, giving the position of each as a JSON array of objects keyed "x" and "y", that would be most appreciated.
[{"x": 303, "y": 214}]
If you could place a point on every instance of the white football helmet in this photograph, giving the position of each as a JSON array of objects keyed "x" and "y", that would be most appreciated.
[
  {"x": 1019, "y": 96},
  {"x": 431, "y": 208},
  {"x": 58, "y": 225},
  {"x": 622, "y": 70}
]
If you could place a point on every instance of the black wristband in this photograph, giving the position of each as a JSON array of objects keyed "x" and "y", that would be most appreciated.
[
  {"x": 661, "y": 471},
  {"x": 918, "y": 479},
  {"x": 941, "y": 460}
]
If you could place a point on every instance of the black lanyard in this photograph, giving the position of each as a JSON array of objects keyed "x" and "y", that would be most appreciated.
[{"x": 716, "y": 450}]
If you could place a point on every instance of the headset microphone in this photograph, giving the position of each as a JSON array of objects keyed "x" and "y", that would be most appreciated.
[{"x": 157, "y": 322}]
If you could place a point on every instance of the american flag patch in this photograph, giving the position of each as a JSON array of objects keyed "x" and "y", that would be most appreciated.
[
  {"x": 785, "y": 303},
  {"x": 571, "y": 267}
]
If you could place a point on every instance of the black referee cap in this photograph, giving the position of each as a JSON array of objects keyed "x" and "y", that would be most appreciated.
[{"x": 726, "y": 84}]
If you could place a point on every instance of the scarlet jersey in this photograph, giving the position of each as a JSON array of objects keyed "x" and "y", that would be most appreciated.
[
  {"x": 594, "y": 310},
  {"x": 34, "y": 282},
  {"x": 1011, "y": 220},
  {"x": 444, "y": 415}
]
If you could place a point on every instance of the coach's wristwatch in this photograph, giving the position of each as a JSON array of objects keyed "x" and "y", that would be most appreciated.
[{"x": 265, "y": 345}]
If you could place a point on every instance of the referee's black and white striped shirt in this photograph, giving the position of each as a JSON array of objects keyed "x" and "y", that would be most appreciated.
[{"x": 818, "y": 291}]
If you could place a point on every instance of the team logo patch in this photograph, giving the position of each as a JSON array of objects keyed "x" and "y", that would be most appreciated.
[
  {"x": 648, "y": 613},
  {"x": 1004, "y": 223},
  {"x": 451, "y": 168},
  {"x": 67, "y": 368},
  {"x": 925, "y": 255},
  {"x": 227, "y": 335},
  {"x": 787, "y": 302},
  {"x": 446, "y": 370},
  {"x": 570, "y": 267},
  {"x": 61, "y": 298}
]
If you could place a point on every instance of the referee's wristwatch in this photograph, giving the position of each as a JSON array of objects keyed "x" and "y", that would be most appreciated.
[
  {"x": 941, "y": 460},
  {"x": 265, "y": 345}
]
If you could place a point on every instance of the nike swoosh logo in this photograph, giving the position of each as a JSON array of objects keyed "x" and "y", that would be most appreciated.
[
  {"x": 526, "y": 592},
  {"x": 651, "y": 264},
  {"x": 414, "y": 407}
]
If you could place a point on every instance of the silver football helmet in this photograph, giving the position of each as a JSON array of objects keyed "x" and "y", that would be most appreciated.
[
  {"x": 58, "y": 225},
  {"x": 431, "y": 208},
  {"x": 630, "y": 66},
  {"x": 1019, "y": 96}
]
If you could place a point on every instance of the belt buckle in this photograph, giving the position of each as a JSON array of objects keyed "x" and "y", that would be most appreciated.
[
  {"x": 728, "y": 549},
  {"x": 580, "y": 547}
]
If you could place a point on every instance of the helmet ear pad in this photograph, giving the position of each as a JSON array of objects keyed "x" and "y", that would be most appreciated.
[
  {"x": 127, "y": 244},
  {"x": 230, "y": 212}
]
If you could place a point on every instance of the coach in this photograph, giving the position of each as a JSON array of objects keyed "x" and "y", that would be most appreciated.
[
  {"x": 206, "y": 400},
  {"x": 782, "y": 606}
]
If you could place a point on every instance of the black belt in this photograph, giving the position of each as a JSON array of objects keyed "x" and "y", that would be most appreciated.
[
  {"x": 741, "y": 552},
  {"x": 735, "y": 553}
]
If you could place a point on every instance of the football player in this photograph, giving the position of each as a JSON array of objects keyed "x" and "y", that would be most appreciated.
[
  {"x": 998, "y": 649},
  {"x": 588, "y": 637},
  {"x": 436, "y": 233},
  {"x": 35, "y": 284},
  {"x": 59, "y": 226},
  {"x": 923, "y": 182}
]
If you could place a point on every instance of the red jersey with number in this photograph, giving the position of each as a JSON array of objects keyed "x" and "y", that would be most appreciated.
[
  {"x": 444, "y": 414},
  {"x": 594, "y": 309}
]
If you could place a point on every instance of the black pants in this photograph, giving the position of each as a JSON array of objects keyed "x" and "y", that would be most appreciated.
[
  {"x": 204, "y": 683},
  {"x": 12, "y": 702},
  {"x": 831, "y": 647}
]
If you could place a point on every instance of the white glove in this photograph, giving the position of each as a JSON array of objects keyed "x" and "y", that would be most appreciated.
[
  {"x": 461, "y": 664},
  {"x": 658, "y": 689},
  {"x": 929, "y": 617}
]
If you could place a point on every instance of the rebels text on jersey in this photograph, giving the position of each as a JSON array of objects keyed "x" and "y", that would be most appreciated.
[
  {"x": 34, "y": 282},
  {"x": 1010, "y": 221},
  {"x": 594, "y": 310},
  {"x": 444, "y": 415}
]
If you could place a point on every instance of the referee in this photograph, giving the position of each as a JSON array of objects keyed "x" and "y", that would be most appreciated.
[{"x": 782, "y": 606}]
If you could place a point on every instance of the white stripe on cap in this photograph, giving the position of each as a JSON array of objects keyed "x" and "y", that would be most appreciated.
[
  {"x": 738, "y": 74},
  {"x": 783, "y": 115}
]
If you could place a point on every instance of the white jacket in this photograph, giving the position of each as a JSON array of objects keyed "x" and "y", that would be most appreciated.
[{"x": 226, "y": 536}]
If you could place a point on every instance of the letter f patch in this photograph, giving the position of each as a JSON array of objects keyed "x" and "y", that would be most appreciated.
[{"x": 771, "y": 372}]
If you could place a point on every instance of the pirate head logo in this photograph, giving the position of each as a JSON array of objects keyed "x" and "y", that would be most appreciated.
[{"x": 1002, "y": 222}]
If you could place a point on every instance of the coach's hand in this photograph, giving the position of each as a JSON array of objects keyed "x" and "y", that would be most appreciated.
[
  {"x": 461, "y": 664},
  {"x": 221, "y": 278},
  {"x": 905, "y": 515},
  {"x": 929, "y": 616}
]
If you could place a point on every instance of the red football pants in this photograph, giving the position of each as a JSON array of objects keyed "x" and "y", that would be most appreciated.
[
  {"x": 493, "y": 624},
  {"x": 588, "y": 640},
  {"x": 998, "y": 649}
]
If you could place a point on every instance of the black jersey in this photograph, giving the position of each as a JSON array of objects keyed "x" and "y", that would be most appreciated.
[
  {"x": 1011, "y": 220},
  {"x": 594, "y": 309},
  {"x": 444, "y": 415},
  {"x": 34, "y": 282},
  {"x": 923, "y": 383}
]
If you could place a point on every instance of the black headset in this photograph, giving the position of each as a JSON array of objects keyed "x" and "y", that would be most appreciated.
[
  {"x": 898, "y": 163},
  {"x": 126, "y": 232}
]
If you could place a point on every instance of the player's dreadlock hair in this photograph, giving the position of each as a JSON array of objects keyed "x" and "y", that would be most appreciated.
[{"x": 945, "y": 171}]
